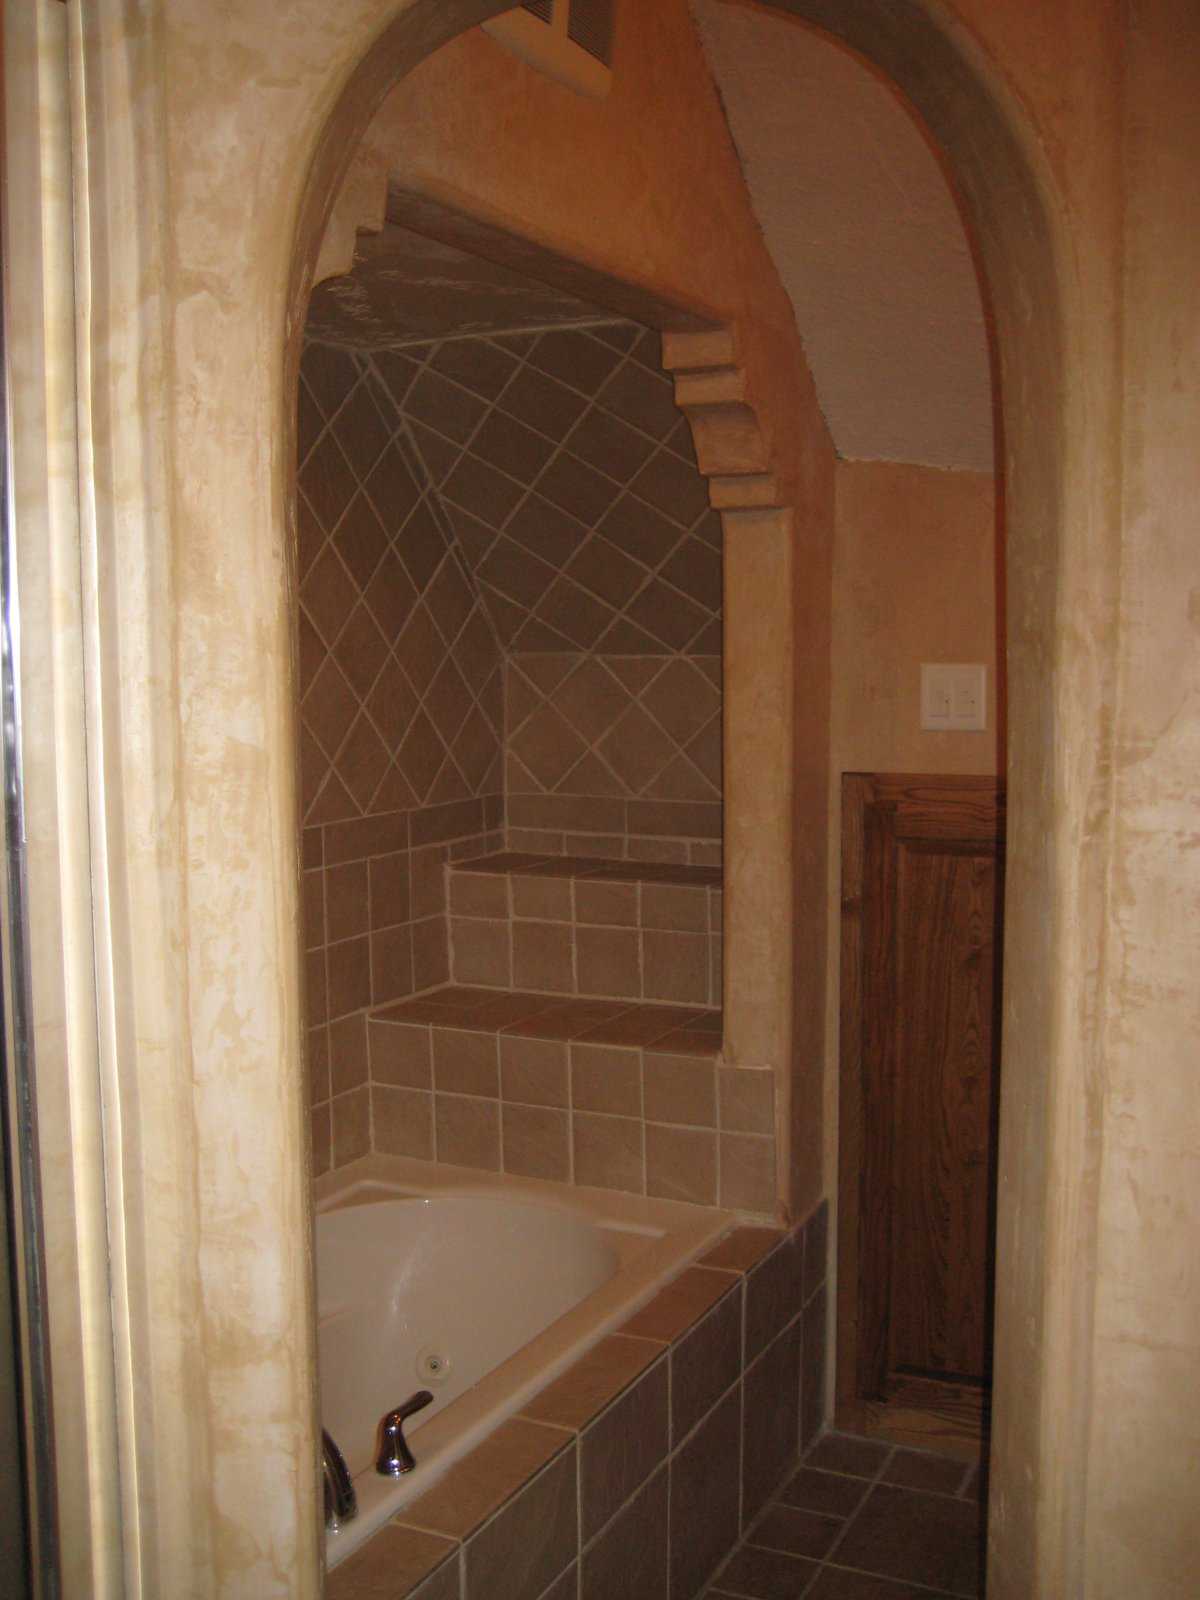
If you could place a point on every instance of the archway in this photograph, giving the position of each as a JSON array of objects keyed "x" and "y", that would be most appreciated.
[{"x": 1009, "y": 201}]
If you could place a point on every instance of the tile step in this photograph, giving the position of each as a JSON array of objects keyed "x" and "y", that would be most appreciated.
[
  {"x": 516, "y": 863},
  {"x": 673, "y": 1030}
]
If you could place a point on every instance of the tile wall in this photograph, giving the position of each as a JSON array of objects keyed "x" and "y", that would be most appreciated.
[
  {"x": 568, "y": 476},
  {"x": 509, "y": 631}
]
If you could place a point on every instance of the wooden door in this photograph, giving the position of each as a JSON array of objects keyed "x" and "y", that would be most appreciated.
[{"x": 922, "y": 901}]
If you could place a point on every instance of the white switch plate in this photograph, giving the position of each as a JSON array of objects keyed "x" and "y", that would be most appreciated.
[{"x": 954, "y": 696}]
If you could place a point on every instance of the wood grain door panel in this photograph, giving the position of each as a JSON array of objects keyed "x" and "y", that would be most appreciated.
[{"x": 922, "y": 892}]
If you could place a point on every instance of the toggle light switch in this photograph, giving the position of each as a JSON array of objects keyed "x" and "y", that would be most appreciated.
[{"x": 954, "y": 696}]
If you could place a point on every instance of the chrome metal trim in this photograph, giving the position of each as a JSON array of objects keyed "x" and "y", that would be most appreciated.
[{"x": 18, "y": 1101}]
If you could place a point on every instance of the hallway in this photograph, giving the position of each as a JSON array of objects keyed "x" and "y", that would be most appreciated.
[{"x": 863, "y": 1520}]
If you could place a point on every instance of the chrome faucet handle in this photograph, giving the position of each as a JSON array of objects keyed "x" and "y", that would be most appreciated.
[
  {"x": 395, "y": 1458},
  {"x": 341, "y": 1502}
]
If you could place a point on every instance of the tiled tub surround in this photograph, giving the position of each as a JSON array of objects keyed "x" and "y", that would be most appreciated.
[
  {"x": 634, "y": 1473},
  {"x": 574, "y": 925},
  {"x": 604, "y": 1093}
]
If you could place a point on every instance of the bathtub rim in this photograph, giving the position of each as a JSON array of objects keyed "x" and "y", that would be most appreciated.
[{"x": 656, "y": 1240}]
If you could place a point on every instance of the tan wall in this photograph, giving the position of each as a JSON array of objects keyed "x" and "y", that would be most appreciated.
[{"x": 914, "y": 580}]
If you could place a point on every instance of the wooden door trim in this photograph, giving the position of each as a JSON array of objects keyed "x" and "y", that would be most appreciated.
[{"x": 922, "y": 805}]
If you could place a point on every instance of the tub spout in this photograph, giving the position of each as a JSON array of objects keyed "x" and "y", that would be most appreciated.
[
  {"x": 341, "y": 1503},
  {"x": 394, "y": 1456}
]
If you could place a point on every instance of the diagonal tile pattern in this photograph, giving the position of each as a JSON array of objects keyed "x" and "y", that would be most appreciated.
[{"x": 400, "y": 673}]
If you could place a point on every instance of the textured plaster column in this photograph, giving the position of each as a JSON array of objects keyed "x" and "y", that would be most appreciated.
[{"x": 759, "y": 764}]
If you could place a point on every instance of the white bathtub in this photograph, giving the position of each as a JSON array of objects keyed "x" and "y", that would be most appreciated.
[{"x": 477, "y": 1287}]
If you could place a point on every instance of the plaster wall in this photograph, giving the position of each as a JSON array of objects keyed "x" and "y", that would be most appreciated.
[{"x": 1070, "y": 128}]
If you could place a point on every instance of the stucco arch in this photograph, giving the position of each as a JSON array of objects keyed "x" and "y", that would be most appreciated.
[
  {"x": 1018, "y": 223},
  {"x": 212, "y": 153}
]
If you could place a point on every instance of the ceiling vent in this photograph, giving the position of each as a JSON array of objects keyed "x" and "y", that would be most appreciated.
[{"x": 568, "y": 40}]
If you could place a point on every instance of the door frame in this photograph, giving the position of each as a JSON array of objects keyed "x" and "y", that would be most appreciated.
[{"x": 963, "y": 804}]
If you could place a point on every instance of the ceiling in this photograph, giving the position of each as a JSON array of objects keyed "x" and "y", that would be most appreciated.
[{"x": 866, "y": 236}]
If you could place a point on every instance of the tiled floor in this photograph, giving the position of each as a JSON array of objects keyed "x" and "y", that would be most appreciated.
[{"x": 863, "y": 1520}]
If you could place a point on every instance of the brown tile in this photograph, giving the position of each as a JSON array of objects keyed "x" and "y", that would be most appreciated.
[
  {"x": 771, "y": 1421},
  {"x": 563, "y": 1019},
  {"x": 837, "y": 1583},
  {"x": 351, "y": 1124},
  {"x": 598, "y": 901},
  {"x": 608, "y": 962},
  {"x": 816, "y": 1246},
  {"x": 797, "y": 1531},
  {"x": 391, "y": 964},
  {"x": 689, "y": 1042},
  {"x": 919, "y": 1538},
  {"x": 316, "y": 988},
  {"x": 427, "y": 869},
  {"x": 921, "y": 1469},
  {"x": 346, "y": 900},
  {"x": 596, "y": 1379},
  {"x": 316, "y": 1043},
  {"x": 639, "y": 1025},
  {"x": 607, "y": 1079},
  {"x": 621, "y": 1448},
  {"x": 543, "y": 899},
  {"x": 814, "y": 1338},
  {"x": 675, "y": 966},
  {"x": 533, "y": 1071},
  {"x": 402, "y": 1121},
  {"x": 630, "y": 1556},
  {"x": 842, "y": 1452},
  {"x": 511, "y": 446},
  {"x": 536, "y": 1142},
  {"x": 482, "y": 951},
  {"x": 468, "y": 1131},
  {"x": 740, "y": 1249},
  {"x": 827, "y": 1492},
  {"x": 675, "y": 819},
  {"x": 465, "y": 1062},
  {"x": 680, "y": 1305},
  {"x": 348, "y": 1053},
  {"x": 390, "y": 1564},
  {"x": 704, "y": 1363},
  {"x": 527, "y": 1544},
  {"x": 747, "y": 1172},
  {"x": 478, "y": 894},
  {"x": 349, "y": 965},
  {"x": 542, "y": 402},
  {"x": 672, "y": 906},
  {"x": 681, "y": 1164},
  {"x": 313, "y": 907},
  {"x": 542, "y": 957},
  {"x": 488, "y": 1476},
  {"x": 565, "y": 1587},
  {"x": 608, "y": 1152},
  {"x": 679, "y": 1089},
  {"x": 774, "y": 1292},
  {"x": 747, "y": 1100},
  {"x": 704, "y": 1503},
  {"x": 766, "y": 1574},
  {"x": 430, "y": 951},
  {"x": 443, "y": 405}
]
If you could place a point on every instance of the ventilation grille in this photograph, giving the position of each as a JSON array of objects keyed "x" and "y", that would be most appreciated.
[
  {"x": 590, "y": 26},
  {"x": 568, "y": 40}
]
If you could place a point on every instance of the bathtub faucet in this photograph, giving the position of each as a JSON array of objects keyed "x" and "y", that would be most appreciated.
[
  {"x": 341, "y": 1503},
  {"x": 394, "y": 1456}
]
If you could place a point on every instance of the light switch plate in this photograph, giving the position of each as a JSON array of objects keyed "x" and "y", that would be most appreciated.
[{"x": 954, "y": 696}]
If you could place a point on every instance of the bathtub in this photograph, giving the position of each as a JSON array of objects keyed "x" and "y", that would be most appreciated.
[{"x": 477, "y": 1287}]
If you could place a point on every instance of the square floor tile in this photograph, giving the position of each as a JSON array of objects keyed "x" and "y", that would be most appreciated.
[
  {"x": 827, "y": 1492},
  {"x": 841, "y": 1452},
  {"x": 766, "y": 1574},
  {"x": 920, "y": 1469},
  {"x": 921, "y": 1538},
  {"x": 797, "y": 1532}
]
